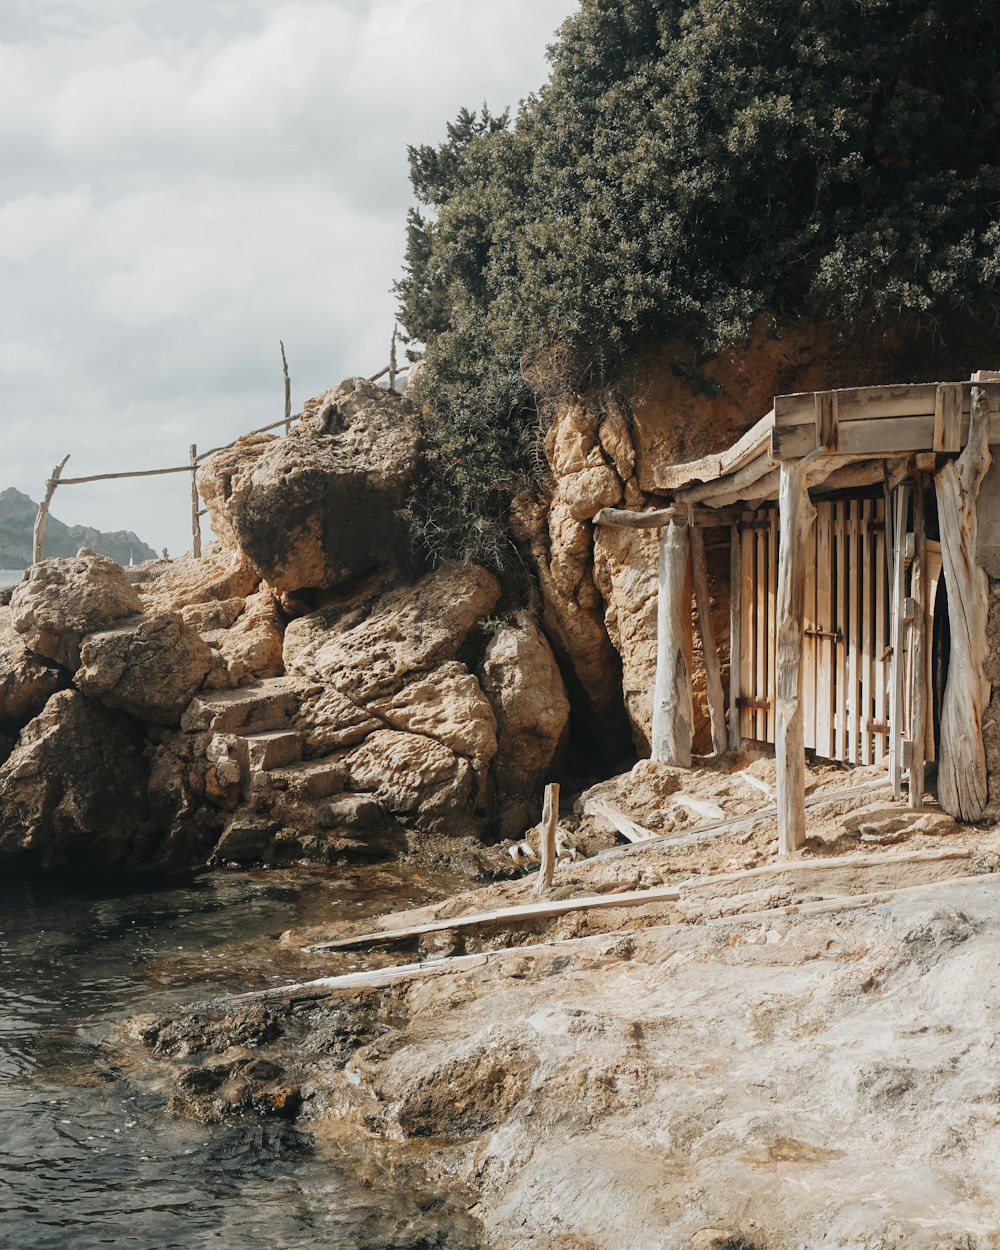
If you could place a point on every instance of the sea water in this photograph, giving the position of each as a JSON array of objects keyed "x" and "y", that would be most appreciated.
[{"x": 89, "y": 1158}]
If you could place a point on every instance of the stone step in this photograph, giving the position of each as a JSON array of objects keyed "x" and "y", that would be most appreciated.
[
  {"x": 262, "y": 752},
  {"x": 269, "y": 705},
  {"x": 310, "y": 779}
]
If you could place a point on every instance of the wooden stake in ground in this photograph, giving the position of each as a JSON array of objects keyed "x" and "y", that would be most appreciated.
[
  {"x": 796, "y": 515},
  {"x": 195, "y": 509},
  {"x": 38, "y": 550},
  {"x": 962, "y": 767},
  {"x": 288, "y": 388},
  {"x": 550, "y": 818},
  {"x": 918, "y": 661},
  {"x": 735, "y": 634},
  {"x": 673, "y": 714},
  {"x": 392, "y": 358}
]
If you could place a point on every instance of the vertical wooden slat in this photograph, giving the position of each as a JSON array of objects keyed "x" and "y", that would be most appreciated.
[
  {"x": 709, "y": 651},
  {"x": 881, "y": 634},
  {"x": 796, "y": 516},
  {"x": 673, "y": 713},
  {"x": 897, "y": 664},
  {"x": 853, "y": 639},
  {"x": 747, "y": 726},
  {"x": 840, "y": 645},
  {"x": 760, "y": 658},
  {"x": 866, "y": 632},
  {"x": 772, "y": 593},
  {"x": 824, "y": 627},
  {"x": 809, "y": 641},
  {"x": 735, "y": 634}
]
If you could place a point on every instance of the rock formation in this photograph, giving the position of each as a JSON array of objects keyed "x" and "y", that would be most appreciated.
[{"x": 17, "y": 525}]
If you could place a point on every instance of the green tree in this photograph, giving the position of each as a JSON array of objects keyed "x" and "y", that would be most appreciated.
[{"x": 688, "y": 168}]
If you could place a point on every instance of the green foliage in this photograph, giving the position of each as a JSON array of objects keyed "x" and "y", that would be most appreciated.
[{"x": 688, "y": 167}]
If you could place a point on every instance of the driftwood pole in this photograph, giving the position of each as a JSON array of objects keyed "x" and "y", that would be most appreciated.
[
  {"x": 38, "y": 547},
  {"x": 673, "y": 715},
  {"x": 710, "y": 653},
  {"x": 919, "y": 586},
  {"x": 735, "y": 633},
  {"x": 392, "y": 358},
  {"x": 897, "y": 673},
  {"x": 288, "y": 388},
  {"x": 796, "y": 515},
  {"x": 962, "y": 788},
  {"x": 550, "y": 819},
  {"x": 195, "y": 508}
]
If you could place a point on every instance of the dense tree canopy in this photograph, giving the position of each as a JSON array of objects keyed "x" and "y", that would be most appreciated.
[{"x": 690, "y": 166}]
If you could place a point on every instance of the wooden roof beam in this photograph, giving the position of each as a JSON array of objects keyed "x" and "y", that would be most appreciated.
[{"x": 622, "y": 518}]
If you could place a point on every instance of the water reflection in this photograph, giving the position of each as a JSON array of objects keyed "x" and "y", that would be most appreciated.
[{"x": 86, "y": 1160}]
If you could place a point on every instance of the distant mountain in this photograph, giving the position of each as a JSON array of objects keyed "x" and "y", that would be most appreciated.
[{"x": 17, "y": 524}]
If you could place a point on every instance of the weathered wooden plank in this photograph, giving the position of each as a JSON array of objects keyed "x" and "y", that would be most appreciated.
[
  {"x": 880, "y": 543},
  {"x": 884, "y": 436},
  {"x": 673, "y": 714},
  {"x": 735, "y": 634},
  {"x": 918, "y": 667},
  {"x": 962, "y": 788},
  {"x": 730, "y": 487},
  {"x": 824, "y": 630},
  {"x": 762, "y": 631},
  {"x": 670, "y": 477},
  {"x": 195, "y": 505},
  {"x": 827, "y": 420},
  {"x": 772, "y": 602},
  {"x": 867, "y": 707},
  {"x": 852, "y": 638},
  {"x": 948, "y": 417},
  {"x": 709, "y": 651},
  {"x": 840, "y": 631},
  {"x": 864, "y": 403},
  {"x": 749, "y": 610},
  {"x": 809, "y": 642},
  {"x": 617, "y": 819},
  {"x": 897, "y": 732},
  {"x": 550, "y": 819},
  {"x": 796, "y": 515},
  {"x": 701, "y": 517}
]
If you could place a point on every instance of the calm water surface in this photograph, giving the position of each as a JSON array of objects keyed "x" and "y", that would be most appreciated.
[{"x": 87, "y": 1160}]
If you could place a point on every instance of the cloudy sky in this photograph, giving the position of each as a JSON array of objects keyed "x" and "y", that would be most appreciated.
[{"x": 184, "y": 182}]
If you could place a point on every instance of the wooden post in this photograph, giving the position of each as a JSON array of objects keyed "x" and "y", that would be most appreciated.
[
  {"x": 38, "y": 547},
  {"x": 796, "y": 515},
  {"x": 392, "y": 358},
  {"x": 550, "y": 819},
  {"x": 897, "y": 671},
  {"x": 710, "y": 653},
  {"x": 288, "y": 389},
  {"x": 673, "y": 715},
  {"x": 918, "y": 658},
  {"x": 962, "y": 788},
  {"x": 735, "y": 634},
  {"x": 195, "y": 509}
]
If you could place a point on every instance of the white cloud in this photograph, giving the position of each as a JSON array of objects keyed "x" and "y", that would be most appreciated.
[{"x": 182, "y": 182}]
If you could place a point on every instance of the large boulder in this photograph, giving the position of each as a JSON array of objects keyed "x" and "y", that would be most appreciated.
[
  {"x": 448, "y": 705},
  {"x": 221, "y": 575},
  {"x": 324, "y": 505},
  {"x": 26, "y": 681},
  {"x": 75, "y": 787},
  {"x": 58, "y": 602},
  {"x": 368, "y": 650},
  {"x": 250, "y": 644},
  {"x": 150, "y": 667},
  {"x": 523, "y": 683},
  {"x": 412, "y": 776}
]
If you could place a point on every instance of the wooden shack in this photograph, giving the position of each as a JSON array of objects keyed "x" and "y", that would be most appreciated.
[{"x": 858, "y": 593}]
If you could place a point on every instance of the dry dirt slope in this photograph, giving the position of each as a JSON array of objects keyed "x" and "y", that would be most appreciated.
[{"x": 813, "y": 1083}]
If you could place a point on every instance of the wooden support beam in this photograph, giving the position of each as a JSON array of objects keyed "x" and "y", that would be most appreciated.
[
  {"x": 288, "y": 389},
  {"x": 827, "y": 423},
  {"x": 672, "y": 477},
  {"x": 38, "y": 545},
  {"x": 796, "y": 514},
  {"x": 195, "y": 506},
  {"x": 901, "y": 507},
  {"x": 732, "y": 487},
  {"x": 550, "y": 819},
  {"x": 659, "y": 517},
  {"x": 962, "y": 787},
  {"x": 673, "y": 714},
  {"x": 948, "y": 417},
  {"x": 710, "y": 652},
  {"x": 735, "y": 634},
  {"x": 111, "y": 477},
  {"x": 918, "y": 643}
]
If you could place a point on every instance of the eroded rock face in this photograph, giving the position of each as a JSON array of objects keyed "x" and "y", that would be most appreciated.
[
  {"x": 368, "y": 650},
  {"x": 411, "y": 775},
  {"x": 58, "y": 602},
  {"x": 523, "y": 683},
  {"x": 447, "y": 705},
  {"x": 75, "y": 787},
  {"x": 223, "y": 575},
  {"x": 26, "y": 681},
  {"x": 150, "y": 667},
  {"x": 251, "y": 643},
  {"x": 323, "y": 506}
]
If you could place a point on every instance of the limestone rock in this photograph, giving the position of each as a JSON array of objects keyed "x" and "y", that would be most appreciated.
[
  {"x": 523, "y": 683},
  {"x": 74, "y": 788},
  {"x": 328, "y": 721},
  {"x": 368, "y": 650},
  {"x": 322, "y": 506},
  {"x": 411, "y": 775},
  {"x": 59, "y": 601},
  {"x": 222, "y": 576},
  {"x": 449, "y": 706},
  {"x": 26, "y": 681},
  {"x": 251, "y": 644},
  {"x": 150, "y": 667}
]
